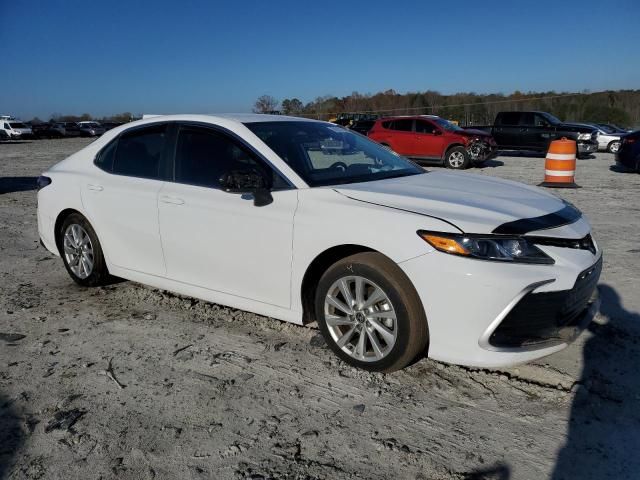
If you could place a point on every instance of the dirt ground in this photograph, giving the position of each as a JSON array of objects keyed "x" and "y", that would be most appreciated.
[{"x": 204, "y": 391}]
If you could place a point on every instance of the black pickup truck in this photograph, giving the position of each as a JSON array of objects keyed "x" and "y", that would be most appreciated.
[{"x": 533, "y": 131}]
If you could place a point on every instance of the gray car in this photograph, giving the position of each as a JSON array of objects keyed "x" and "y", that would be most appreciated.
[{"x": 90, "y": 129}]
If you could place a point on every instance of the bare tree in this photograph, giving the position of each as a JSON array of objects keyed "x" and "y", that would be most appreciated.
[{"x": 265, "y": 104}]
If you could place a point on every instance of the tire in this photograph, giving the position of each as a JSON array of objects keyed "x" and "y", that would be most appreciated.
[
  {"x": 81, "y": 252},
  {"x": 384, "y": 145},
  {"x": 457, "y": 158},
  {"x": 398, "y": 341},
  {"x": 613, "y": 146}
]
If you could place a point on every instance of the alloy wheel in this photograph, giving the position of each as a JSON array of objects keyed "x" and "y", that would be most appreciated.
[
  {"x": 360, "y": 318},
  {"x": 456, "y": 159},
  {"x": 78, "y": 250}
]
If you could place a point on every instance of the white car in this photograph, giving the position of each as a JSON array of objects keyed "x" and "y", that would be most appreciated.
[
  {"x": 15, "y": 129},
  {"x": 608, "y": 140},
  {"x": 266, "y": 214}
]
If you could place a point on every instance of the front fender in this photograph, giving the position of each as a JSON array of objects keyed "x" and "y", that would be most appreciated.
[{"x": 326, "y": 219}]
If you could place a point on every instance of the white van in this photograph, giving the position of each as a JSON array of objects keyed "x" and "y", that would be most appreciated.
[{"x": 15, "y": 128}]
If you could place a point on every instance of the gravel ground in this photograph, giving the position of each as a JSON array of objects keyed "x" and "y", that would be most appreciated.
[{"x": 204, "y": 391}]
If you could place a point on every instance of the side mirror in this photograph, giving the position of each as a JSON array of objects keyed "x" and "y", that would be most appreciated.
[
  {"x": 248, "y": 181},
  {"x": 437, "y": 132}
]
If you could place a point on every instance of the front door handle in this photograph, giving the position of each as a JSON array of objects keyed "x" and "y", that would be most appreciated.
[
  {"x": 94, "y": 187},
  {"x": 171, "y": 200}
]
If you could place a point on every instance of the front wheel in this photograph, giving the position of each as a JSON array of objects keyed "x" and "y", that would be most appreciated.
[
  {"x": 370, "y": 314},
  {"x": 457, "y": 158},
  {"x": 613, "y": 147}
]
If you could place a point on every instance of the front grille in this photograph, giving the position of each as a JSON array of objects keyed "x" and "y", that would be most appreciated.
[
  {"x": 584, "y": 243},
  {"x": 548, "y": 317}
]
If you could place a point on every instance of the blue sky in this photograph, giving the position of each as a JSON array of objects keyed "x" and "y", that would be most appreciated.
[{"x": 109, "y": 56}]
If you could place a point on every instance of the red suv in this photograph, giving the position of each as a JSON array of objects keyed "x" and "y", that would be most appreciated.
[{"x": 428, "y": 137}]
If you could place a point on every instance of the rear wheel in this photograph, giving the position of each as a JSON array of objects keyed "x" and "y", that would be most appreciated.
[
  {"x": 457, "y": 158},
  {"x": 370, "y": 314},
  {"x": 81, "y": 252}
]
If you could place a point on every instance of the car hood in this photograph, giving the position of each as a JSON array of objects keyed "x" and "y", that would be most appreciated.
[
  {"x": 577, "y": 127},
  {"x": 470, "y": 132},
  {"x": 473, "y": 203}
]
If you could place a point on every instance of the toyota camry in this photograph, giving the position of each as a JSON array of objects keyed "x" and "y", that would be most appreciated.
[{"x": 305, "y": 221}]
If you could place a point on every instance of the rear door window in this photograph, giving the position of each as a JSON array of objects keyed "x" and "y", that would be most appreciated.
[
  {"x": 139, "y": 153},
  {"x": 527, "y": 119},
  {"x": 510, "y": 118},
  {"x": 405, "y": 125}
]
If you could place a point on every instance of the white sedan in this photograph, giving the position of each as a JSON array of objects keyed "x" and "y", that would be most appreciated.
[
  {"x": 608, "y": 139},
  {"x": 305, "y": 221}
]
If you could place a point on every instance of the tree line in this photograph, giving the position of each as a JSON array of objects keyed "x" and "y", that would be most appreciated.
[{"x": 621, "y": 107}]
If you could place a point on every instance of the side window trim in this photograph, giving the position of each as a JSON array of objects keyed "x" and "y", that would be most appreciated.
[{"x": 233, "y": 136}]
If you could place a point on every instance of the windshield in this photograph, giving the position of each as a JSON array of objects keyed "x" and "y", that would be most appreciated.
[
  {"x": 447, "y": 125},
  {"x": 324, "y": 154},
  {"x": 17, "y": 125},
  {"x": 605, "y": 128}
]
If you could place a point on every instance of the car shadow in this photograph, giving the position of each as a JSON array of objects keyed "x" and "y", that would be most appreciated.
[
  {"x": 490, "y": 164},
  {"x": 500, "y": 471},
  {"x": 15, "y": 142},
  {"x": 17, "y": 184},
  {"x": 603, "y": 435},
  {"x": 521, "y": 154},
  {"x": 620, "y": 169},
  {"x": 12, "y": 435}
]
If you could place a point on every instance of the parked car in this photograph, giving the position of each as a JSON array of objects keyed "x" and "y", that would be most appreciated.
[
  {"x": 70, "y": 129},
  {"x": 16, "y": 129},
  {"x": 362, "y": 126},
  {"x": 110, "y": 125},
  {"x": 533, "y": 131},
  {"x": 90, "y": 129},
  {"x": 628, "y": 156},
  {"x": 434, "y": 139},
  {"x": 391, "y": 261},
  {"x": 611, "y": 128},
  {"x": 607, "y": 141},
  {"x": 46, "y": 130}
]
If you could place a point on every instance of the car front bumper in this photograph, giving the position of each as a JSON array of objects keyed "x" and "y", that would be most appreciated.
[
  {"x": 490, "y": 314},
  {"x": 587, "y": 147}
]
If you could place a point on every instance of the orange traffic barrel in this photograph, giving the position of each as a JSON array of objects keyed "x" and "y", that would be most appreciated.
[{"x": 560, "y": 165}]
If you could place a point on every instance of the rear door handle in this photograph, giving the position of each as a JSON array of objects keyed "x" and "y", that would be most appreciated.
[
  {"x": 171, "y": 200},
  {"x": 95, "y": 188}
]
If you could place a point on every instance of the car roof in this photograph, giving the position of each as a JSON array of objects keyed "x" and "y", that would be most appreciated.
[
  {"x": 400, "y": 117},
  {"x": 235, "y": 117}
]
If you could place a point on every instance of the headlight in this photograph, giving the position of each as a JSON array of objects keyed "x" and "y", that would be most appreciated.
[
  {"x": 584, "y": 136},
  {"x": 487, "y": 247}
]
